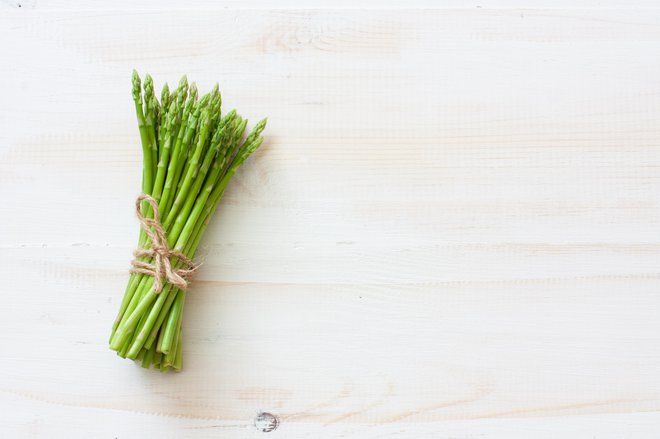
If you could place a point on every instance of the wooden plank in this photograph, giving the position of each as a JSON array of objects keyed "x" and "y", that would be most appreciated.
[{"x": 451, "y": 231}]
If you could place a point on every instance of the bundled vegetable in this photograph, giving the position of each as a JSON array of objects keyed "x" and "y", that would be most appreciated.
[{"x": 190, "y": 152}]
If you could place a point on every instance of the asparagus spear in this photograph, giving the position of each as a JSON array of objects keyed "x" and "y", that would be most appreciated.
[{"x": 147, "y": 182}]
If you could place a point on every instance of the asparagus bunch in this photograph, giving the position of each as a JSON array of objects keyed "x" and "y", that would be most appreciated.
[{"x": 190, "y": 152}]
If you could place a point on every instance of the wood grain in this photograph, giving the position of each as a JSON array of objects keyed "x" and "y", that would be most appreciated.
[{"x": 451, "y": 231}]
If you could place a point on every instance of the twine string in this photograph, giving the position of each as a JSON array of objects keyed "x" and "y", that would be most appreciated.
[{"x": 161, "y": 266}]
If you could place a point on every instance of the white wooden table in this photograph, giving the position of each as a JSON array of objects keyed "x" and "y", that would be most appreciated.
[{"x": 452, "y": 231}]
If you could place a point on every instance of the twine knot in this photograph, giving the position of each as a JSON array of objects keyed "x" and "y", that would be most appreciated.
[{"x": 161, "y": 267}]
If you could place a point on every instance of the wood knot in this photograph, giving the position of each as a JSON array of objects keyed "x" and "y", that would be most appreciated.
[{"x": 266, "y": 422}]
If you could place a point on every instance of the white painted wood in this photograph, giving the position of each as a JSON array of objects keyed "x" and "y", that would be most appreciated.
[
  {"x": 322, "y": 4},
  {"x": 451, "y": 232}
]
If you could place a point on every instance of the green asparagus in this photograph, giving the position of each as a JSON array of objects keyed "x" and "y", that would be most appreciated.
[{"x": 190, "y": 151}]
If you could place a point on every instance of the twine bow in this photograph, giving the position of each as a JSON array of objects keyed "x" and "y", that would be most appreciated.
[{"x": 159, "y": 252}]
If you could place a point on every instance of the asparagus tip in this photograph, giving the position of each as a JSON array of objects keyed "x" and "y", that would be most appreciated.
[
  {"x": 173, "y": 114},
  {"x": 259, "y": 127},
  {"x": 252, "y": 147},
  {"x": 136, "y": 85},
  {"x": 193, "y": 92},
  {"x": 148, "y": 84}
]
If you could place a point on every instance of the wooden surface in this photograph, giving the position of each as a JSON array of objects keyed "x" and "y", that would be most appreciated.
[{"x": 452, "y": 230}]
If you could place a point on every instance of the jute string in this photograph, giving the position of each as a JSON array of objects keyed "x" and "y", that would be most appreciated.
[{"x": 161, "y": 267}]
